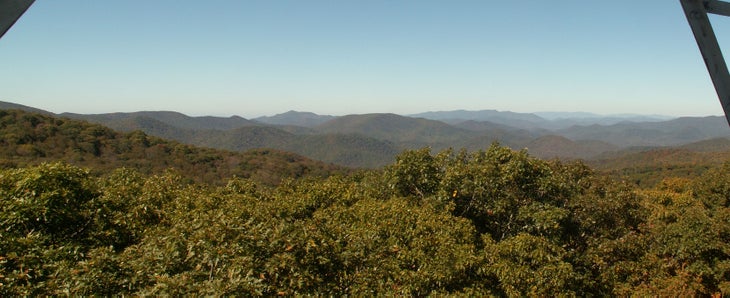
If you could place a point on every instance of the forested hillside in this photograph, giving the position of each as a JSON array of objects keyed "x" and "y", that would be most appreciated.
[
  {"x": 666, "y": 133},
  {"x": 86, "y": 211},
  {"x": 351, "y": 150},
  {"x": 398, "y": 129},
  {"x": 172, "y": 119},
  {"x": 373, "y": 140},
  {"x": 646, "y": 166},
  {"x": 30, "y": 139}
]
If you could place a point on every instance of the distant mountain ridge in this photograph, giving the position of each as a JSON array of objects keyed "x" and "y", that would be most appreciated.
[
  {"x": 613, "y": 117},
  {"x": 394, "y": 128},
  {"x": 118, "y": 120},
  {"x": 665, "y": 133},
  {"x": 30, "y": 138},
  {"x": 518, "y": 120},
  {"x": 343, "y": 149},
  {"x": 14, "y": 106},
  {"x": 372, "y": 140},
  {"x": 305, "y": 119},
  {"x": 538, "y": 120}
]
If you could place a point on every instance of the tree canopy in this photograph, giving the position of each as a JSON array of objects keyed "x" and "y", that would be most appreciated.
[{"x": 493, "y": 222}]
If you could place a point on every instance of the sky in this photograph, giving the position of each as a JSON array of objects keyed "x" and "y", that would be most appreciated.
[{"x": 254, "y": 58}]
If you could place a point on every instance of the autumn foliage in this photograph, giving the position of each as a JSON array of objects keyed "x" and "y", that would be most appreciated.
[{"x": 489, "y": 223}]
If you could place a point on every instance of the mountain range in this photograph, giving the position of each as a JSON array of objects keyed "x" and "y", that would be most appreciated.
[
  {"x": 29, "y": 138},
  {"x": 372, "y": 140}
]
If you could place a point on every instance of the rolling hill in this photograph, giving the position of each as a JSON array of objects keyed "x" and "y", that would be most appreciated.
[
  {"x": 646, "y": 166},
  {"x": 553, "y": 146},
  {"x": 665, "y": 133},
  {"x": 517, "y": 120},
  {"x": 540, "y": 120},
  {"x": 14, "y": 106},
  {"x": 349, "y": 150},
  {"x": 174, "y": 119},
  {"x": 30, "y": 138},
  {"x": 373, "y": 140},
  {"x": 406, "y": 131},
  {"x": 239, "y": 134}
]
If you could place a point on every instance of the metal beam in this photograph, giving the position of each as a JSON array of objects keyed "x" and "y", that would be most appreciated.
[
  {"x": 718, "y": 7},
  {"x": 10, "y": 11},
  {"x": 696, "y": 13}
]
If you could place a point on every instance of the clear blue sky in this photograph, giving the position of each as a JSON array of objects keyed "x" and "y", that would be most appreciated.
[{"x": 254, "y": 58}]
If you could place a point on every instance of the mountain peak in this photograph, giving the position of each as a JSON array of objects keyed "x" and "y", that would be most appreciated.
[{"x": 291, "y": 117}]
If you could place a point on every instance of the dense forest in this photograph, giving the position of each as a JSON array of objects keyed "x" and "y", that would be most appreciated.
[
  {"x": 88, "y": 211},
  {"x": 31, "y": 138}
]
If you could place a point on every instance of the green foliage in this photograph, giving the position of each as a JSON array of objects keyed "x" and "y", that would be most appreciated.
[
  {"x": 415, "y": 173},
  {"x": 527, "y": 265},
  {"x": 714, "y": 188},
  {"x": 47, "y": 216},
  {"x": 28, "y": 139},
  {"x": 505, "y": 192},
  {"x": 648, "y": 168},
  {"x": 487, "y": 223},
  {"x": 377, "y": 247},
  {"x": 52, "y": 199}
]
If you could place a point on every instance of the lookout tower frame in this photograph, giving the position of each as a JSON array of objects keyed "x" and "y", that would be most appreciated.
[{"x": 696, "y": 12}]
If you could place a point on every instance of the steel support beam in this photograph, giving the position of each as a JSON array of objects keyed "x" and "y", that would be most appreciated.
[
  {"x": 10, "y": 11},
  {"x": 696, "y": 12},
  {"x": 718, "y": 7}
]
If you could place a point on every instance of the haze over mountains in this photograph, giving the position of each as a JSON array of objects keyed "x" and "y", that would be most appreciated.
[{"x": 372, "y": 140}]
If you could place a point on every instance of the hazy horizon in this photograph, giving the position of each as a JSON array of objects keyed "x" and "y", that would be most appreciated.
[{"x": 544, "y": 114}]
